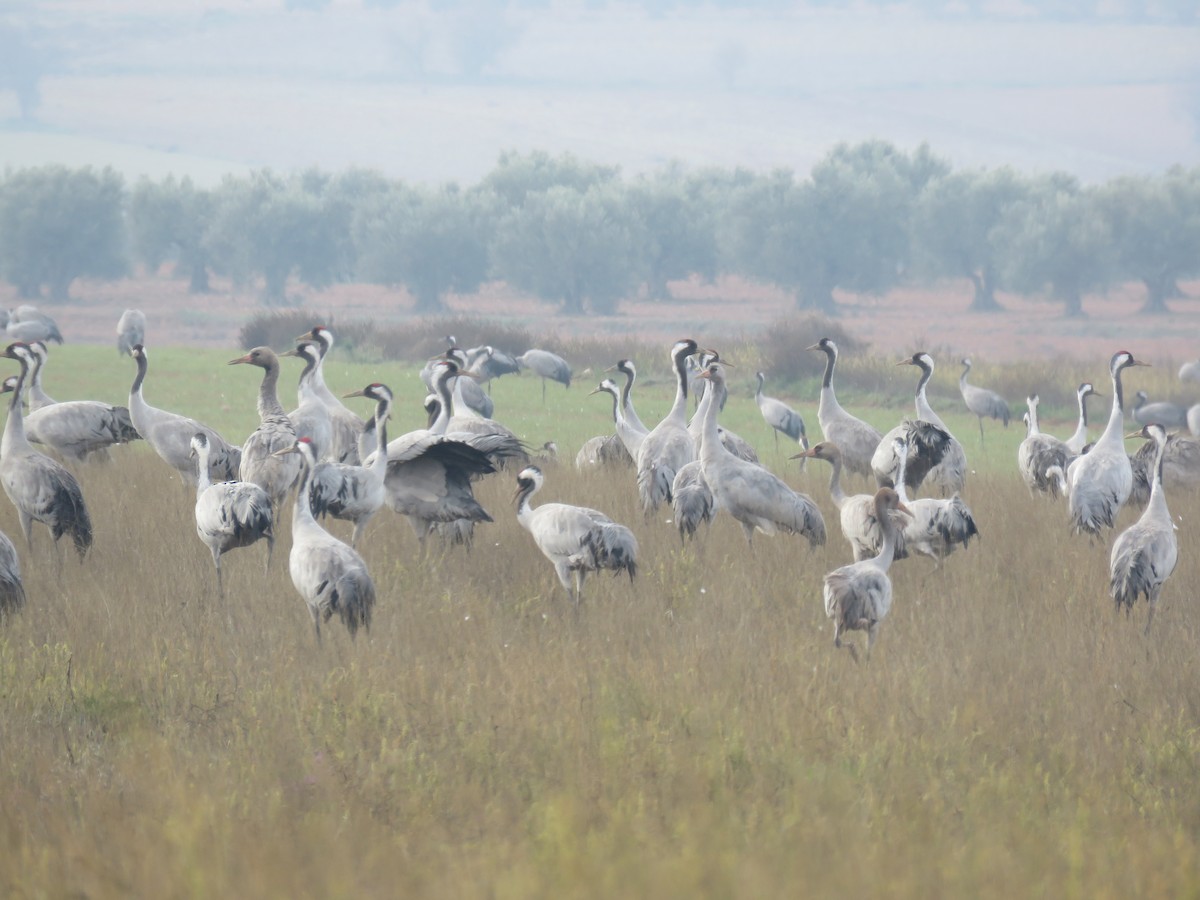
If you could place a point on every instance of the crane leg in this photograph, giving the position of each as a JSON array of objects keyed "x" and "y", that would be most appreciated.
[
  {"x": 543, "y": 392},
  {"x": 980, "y": 418},
  {"x": 27, "y": 527},
  {"x": 216, "y": 554}
]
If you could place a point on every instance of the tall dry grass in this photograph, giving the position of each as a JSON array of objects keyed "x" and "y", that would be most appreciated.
[{"x": 692, "y": 734}]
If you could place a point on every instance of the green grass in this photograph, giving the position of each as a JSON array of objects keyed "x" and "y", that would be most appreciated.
[{"x": 692, "y": 734}]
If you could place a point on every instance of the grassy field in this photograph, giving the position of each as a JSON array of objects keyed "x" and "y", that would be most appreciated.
[{"x": 692, "y": 734}]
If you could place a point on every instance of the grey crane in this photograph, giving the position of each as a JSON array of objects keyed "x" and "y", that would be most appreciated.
[
  {"x": 858, "y": 596},
  {"x": 949, "y": 472},
  {"x": 131, "y": 329},
  {"x": 547, "y": 366},
  {"x": 1039, "y": 453},
  {"x": 781, "y": 417},
  {"x": 12, "y": 589},
  {"x": 329, "y": 574},
  {"x": 734, "y": 443},
  {"x": 605, "y": 449},
  {"x": 38, "y": 398},
  {"x": 856, "y": 512},
  {"x": 855, "y": 438},
  {"x": 229, "y": 514},
  {"x": 474, "y": 401},
  {"x": 345, "y": 425},
  {"x": 1099, "y": 482},
  {"x": 756, "y": 498},
  {"x": 629, "y": 435},
  {"x": 170, "y": 434},
  {"x": 41, "y": 489},
  {"x": 429, "y": 471},
  {"x": 488, "y": 363},
  {"x": 576, "y": 539},
  {"x": 1168, "y": 415},
  {"x": 27, "y": 324},
  {"x": 1190, "y": 371},
  {"x": 311, "y": 417},
  {"x": 1144, "y": 554},
  {"x": 350, "y": 492},
  {"x": 692, "y": 500},
  {"x": 1077, "y": 441},
  {"x": 262, "y": 463},
  {"x": 982, "y": 402},
  {"x": 936, "y": 526},
  {"x": 458, "y": 420},
  {"x": 627, "y": 368},
  {"x": 668, "y": 447},
  {"x": 1180, "y": 467}
]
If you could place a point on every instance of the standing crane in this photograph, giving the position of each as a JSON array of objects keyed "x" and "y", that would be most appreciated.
[
  {"x": 756, "y": 498},
  {"x": 41, "y": 489},
  {"x": 629, "y": 433},
  {"x": 606, "y": 449},
  {"x": 345, "y": 425},
  {"x": 1039, "y": 453},
  {"x": 1168, "y": 415},
  {"x": 1099, "y": 481},
  {"x": 170, "y": 434},
  {"x": 734, "y": 443},
  {"x": 950, "y": 472},
  {"x": 131, "y": 330},
  {"x": 858, "y": 596},
  {"x": 1077, "y": 441},
  {"x": 577, "y": 540},
  {"x": 262, "y": 462},
  {"x": 311, "y": 417},
  {"x": 936, "y": 526},
  {"x": 229, "y": 514},
  {"x": 1144, "y": 554},
  {"x": 355, "y": 493},
  {"x": 856, "y": 512},
  {"x": 629, "y": 370},
  {"x": 692, "y": 500},
  {"x": 668, "y": 447},
  {"x": 330, "y": 575},
  {"x": 780, "y": 416},
  {"x": 546, "y": 365},
  {"x": 980, "y": 401},
  {"x": 38, "y": 398},
  {"x": 855, "y": 438}
]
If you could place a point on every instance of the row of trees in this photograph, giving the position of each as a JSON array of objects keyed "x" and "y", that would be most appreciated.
[{"x": 868, "y": 218}]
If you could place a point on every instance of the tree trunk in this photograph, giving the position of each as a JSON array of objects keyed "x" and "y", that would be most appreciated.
[
  {"x": 1072, "y": 304},
  {"x": 984, "y": 299},
  {"x": 1156, "y": 298}
]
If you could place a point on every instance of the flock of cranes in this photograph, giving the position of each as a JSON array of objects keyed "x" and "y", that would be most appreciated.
[{"x": 331, "y": 463}]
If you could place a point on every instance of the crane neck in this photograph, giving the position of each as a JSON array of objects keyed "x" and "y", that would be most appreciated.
[
  {"x": 758, "y": 391},
  {"x": 830, "y": 362},
  {"x": 836, "y": 493},
  {"x": 136, "y": 388},
  {"x": 268, "y": 392},
  {"x": 379, "y": 465},
  {"x": 627, "y": 391},
  {"x": 711, "y": 447},
  {"x": 618, "y": 418},
  {"x": 962, "y": 379},
  {"x": 303, "y": 517},
  {"x": 890, "y": 532},
  {"x": 1116, "y": 418},
  {"x": 203, "y": 479},
  {"x": 524, "y": 508},
  {"x": 901, "y": 471},
  {"x": 678, "y": 411},
  {"x": 14, "y": 428},
  {"x": 447, "y": 403},
  {"x": 1033, "y": 418}
]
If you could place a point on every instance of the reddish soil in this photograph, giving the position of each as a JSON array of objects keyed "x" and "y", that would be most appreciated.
[{"x": 901, "y": 321}]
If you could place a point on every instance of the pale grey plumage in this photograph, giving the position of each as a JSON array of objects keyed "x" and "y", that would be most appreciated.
[
  {"x": 345, "y": 426},
  {"x": 1099, "y": 482},
  {"x": 547, "y": 366},
  {"x": 41, "y": 489},
  {"x": 629, "y": 435},
  {"x": 1077, "y": 441},
  {"x": 131, "y": 330},
  {"x": 858, "y": 596},
  {"x": 12, "y": 589},
  {"x": 1144, "y": 554},
  {"x": 1168, "y": 415},
  {"x": 330, "y": 575},
  {"x": 935, "y": 527},
  {"x": 1190, "y": 371},
  {"x": 26, "y": 324},
  {"x": 355, "y": 493},
  {"x": 1039, "y": 453},
  {"x": 854, "y": 438},
  {"x": 692, "y": 499},
  {"x": 311, "y": 417},
  {"x": 856, "y": 512},
  {"x": 38, "y": 398},
  {"x": 668, "y": 447},
  {"x": 755, "y": 497},
  {"x": 605, "y": 450},
  {"x": 734, "y": 443},
  {"x": 229, "y": 514},
  {"x": 170, "y": 434},
  {"x": 629, "y": 370},
  {"x": 576, "y": 539},
  {"x": 1180, "y": 467},
  {"x": 263, "y": 463},
  {"x": 950, "y": 472},
  {"x": 488, "y": 363},
  {"x": 982, "y": 402},
  {"x": 781, "y": 417}
]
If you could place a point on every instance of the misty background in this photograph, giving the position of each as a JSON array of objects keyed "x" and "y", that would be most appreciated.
[{"x": 435, "y": 91}]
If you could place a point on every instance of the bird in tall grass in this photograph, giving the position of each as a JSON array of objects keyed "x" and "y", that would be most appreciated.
[
  {"x": 262, "y": 462},
  {"x": 982, "y": 402},
  {"x": 855, "y": 438}
]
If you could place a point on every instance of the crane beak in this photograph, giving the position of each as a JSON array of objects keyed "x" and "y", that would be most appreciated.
[
  {"x": 240, "y": 359},
  {"x": 290, "y": 353},
  {"x": 1135, "y": 434},
  {"x": 1138, "y": 362},
  {"x": 905, "y": 362},
  {"x": 813, "y": 347},
  {"x": 596, "y": 391},
  {"x": 361, "y": 393},
  {"x": 807, "y": 454},
  {"x": 285, "y": 451}
]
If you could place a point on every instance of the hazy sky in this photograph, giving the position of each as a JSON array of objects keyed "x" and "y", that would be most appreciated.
[{"x": 435, "y": 93}]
